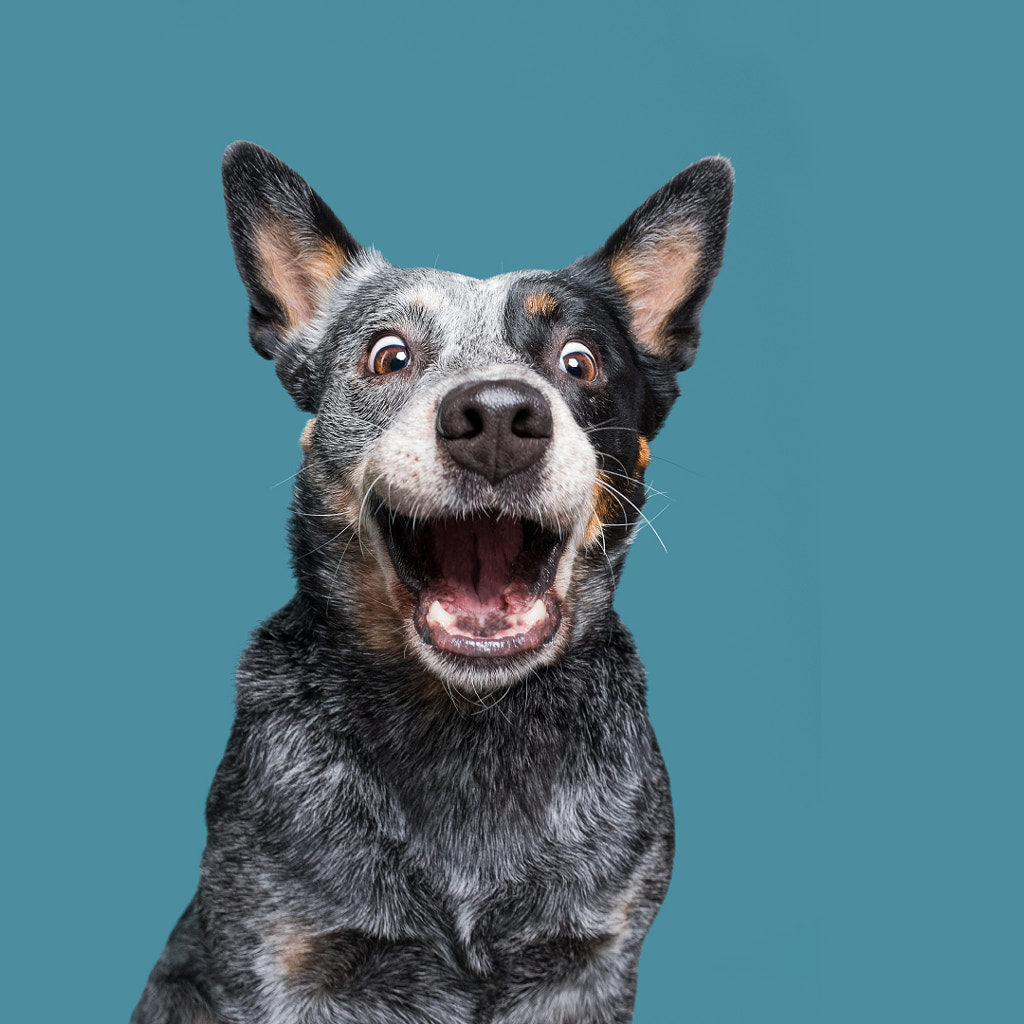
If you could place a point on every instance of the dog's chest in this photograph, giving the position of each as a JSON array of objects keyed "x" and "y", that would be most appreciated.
[
  {"x": 460, "y": 896},
  {"x": 478, "y": 869}
]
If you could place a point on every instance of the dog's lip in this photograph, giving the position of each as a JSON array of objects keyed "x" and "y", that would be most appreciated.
[
  {"x": 517, "y": 634},
  {"x": 483, "y": 584}
]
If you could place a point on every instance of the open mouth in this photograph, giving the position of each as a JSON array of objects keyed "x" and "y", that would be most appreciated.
[{"x": 482, "y": 584}]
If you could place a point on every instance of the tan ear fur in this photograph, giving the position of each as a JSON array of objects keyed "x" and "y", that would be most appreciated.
[
  {"x": 665, "y": 255},
  {"x": 656, "y": 279},
  {"x": 295, "y": 271}
]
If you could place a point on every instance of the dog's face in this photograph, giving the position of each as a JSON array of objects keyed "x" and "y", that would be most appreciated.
[{"x": 474, "y": 469}]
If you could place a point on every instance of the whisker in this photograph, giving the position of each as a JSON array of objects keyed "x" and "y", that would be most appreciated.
[
  {"x": 362, "y": 505},
  {"x": 679, "y": 465},
  {"x": 594, "y": 430},
  {"x": 337, "y": 569},
  {"x": 485, "y": 706},
  {"x": 658, "y": 515},
  {"x": 660, "y": 458},
  {"x": 639, "y": 512},
  {"x": 648, "y": 488},
  {"x": 608, "y": 455},
  {"x": 325, "y": 543},
  {"x": 291, "y": 477}
]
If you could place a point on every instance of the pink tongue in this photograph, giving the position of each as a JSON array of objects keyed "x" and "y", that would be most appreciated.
[{"x": 475, "y": 559}]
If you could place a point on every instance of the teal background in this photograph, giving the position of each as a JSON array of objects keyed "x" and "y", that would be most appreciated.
[{"x": 833, "y": 635}]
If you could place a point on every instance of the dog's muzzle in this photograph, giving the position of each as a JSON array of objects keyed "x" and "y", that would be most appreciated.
[{"x": 483, "y": 579}]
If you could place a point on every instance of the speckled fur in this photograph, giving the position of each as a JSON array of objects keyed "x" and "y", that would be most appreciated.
[{"x": 394, "y": 835}]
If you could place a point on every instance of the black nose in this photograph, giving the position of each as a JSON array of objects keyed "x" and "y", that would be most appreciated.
[{"x": 494, "y": 427}]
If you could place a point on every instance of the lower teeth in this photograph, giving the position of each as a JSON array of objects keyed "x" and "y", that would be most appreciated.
[
  {"x": 536, "y": 612},
  {"x": 438, "y": 615}
]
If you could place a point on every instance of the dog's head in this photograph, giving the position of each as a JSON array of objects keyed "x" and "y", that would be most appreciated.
[{"x": 474, "y": 471}]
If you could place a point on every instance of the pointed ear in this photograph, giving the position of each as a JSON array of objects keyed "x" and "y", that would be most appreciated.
[
  {"x": 288, "y": 246},
  {"x": 665, "y": 256}
]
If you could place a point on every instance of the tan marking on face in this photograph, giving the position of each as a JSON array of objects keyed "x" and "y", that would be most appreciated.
[
  {"x": 607, "y": 509},
  {"x": 656, "y": 280},
  {"x": 294, "y": 271},
  {"x": 644, "y": 458},
  {"x": 594, "y": 530},
  {"x": 380, "y": 605},
  {"x": 541, "y": 304},
  {"x": 372, "y": 599},
  {"x": 382, "y": 609},
  {"x": 306, "y": 440},
  {"x": 344, "y": 500}
]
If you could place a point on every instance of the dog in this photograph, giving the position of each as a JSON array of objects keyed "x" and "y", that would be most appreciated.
[{"x": 442, "y": 800}]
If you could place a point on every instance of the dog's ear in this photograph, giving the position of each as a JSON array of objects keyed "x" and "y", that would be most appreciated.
[
  {"x": 665, "y": 256},
  {"x": 288, "y": 245}
]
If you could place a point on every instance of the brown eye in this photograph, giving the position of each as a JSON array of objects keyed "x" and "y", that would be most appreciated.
[
  {"x": 578, "y": 361},
  {"x": 389, "y": 355}
]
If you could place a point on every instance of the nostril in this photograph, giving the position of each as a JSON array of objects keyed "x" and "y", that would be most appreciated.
[
  {"x": 460, "y": 421},
  {"x": 473, "y": 421},
  {"x": 527, "y": 422}
]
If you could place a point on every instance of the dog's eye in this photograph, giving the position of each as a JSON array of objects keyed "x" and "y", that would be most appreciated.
[
  {"x": 389, "y": 355},
  {"x": 578, "y": 361}
]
